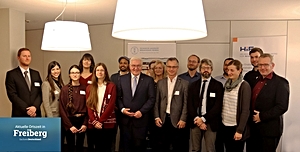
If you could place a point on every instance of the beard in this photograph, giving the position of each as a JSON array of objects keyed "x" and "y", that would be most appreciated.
[
  {"x": 123, "y": 69},
  {"x": 206, "y": 74},
  {"x": 191, "y": 69}
]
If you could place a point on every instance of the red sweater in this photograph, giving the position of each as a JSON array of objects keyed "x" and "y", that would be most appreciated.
[{"x": 107, "y": 112}]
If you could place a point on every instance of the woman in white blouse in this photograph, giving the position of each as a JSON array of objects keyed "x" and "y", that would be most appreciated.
[{"x": 101, "y": 97}]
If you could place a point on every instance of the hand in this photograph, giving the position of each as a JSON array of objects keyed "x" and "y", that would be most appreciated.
[
  {"x": 126, "y": 112},
  {"x": 203, "y": 126},
  {"x": 82, "y": 129},
  {"x": 31, "y": 111},
  {"x": 74, "y": 129},
  {"x": 158, "y": 122},
  {"x": 98, "y": 125},
  {"x": 198, "y": 121},
  {"x": 138, "y": 114},
  {"x": 181, "y": 124},
  {"x": 256, "y": 118},
  {"x": 237, "y": 136}
]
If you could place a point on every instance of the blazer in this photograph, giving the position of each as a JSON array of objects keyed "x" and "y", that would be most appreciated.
[
  {"x": 214, "y": 103},
  {"x": 19, "y": 94},
  {"x": 178, "y": 108},
  {"x": 49, "y": 107},
  {"x": 272, "y": 102},
  {"x": 143, "y": 99},
  {"x": 110, "y": 96}
]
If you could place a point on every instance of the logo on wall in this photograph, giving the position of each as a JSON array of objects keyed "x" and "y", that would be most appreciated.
[
  {"x": 134, "y": 50},
  {"x": 246, "y": 48}
]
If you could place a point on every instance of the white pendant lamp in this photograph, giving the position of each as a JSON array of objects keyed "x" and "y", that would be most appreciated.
[
  {"x": 159, "y": 20},
  {"x": 66, "y": 36}
]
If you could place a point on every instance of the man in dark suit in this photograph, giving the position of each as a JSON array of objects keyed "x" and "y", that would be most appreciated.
[
  {"x": 270, "y": 100},
  {"x": 23, "y": 87},
  {"x": 205, "y": 107},
  {"x": 136, "y": 98},
  {"x": 170, "y": 110}
]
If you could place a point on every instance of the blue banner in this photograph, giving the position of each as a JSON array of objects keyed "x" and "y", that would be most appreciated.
[{"x": 30, "y": 134}]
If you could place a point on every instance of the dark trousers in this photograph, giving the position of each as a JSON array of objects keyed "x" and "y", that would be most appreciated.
[
  {"x": 100, "y": 139},
  {"x": 219, "y": 144},
  {"x": 231, "y": 145},
  {"x": 172, "y": 137},
  {"x": 259, "y": 143},
  {"x": 75, "y": 141},
  {"x": 133, "y": 138}
]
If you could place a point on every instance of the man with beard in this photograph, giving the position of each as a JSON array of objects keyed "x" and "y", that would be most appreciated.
[
  {"x": 205, "y": 99},
  {"x": 124, "y": 69},
  {"x": 223, "y": 78},
  {"x": 123, "y": 66},
  {"x": 23, "y": 87},
  {"x": 191, "y": 75},
  {"x": 252, "y": 76}
]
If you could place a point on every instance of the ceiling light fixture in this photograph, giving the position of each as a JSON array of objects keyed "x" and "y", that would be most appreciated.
[
  {"x": 159, "y": 20},
  {"x": 66, "y": 35}
]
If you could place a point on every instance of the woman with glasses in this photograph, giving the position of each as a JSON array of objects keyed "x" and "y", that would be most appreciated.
[
  {"x": 101, "y": 97},
  {"x": 236, "y": 109},
  {"x": 73, "y": 110}
]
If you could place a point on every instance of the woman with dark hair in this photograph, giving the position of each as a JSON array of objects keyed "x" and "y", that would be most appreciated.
[
  {"x": 73, "y": 110},
  {"x": 101, "y": 98},
  {"x": 86, "y": 65},
  {"x": 51, "y": 89},
  {"x": 236, "y": 109}
]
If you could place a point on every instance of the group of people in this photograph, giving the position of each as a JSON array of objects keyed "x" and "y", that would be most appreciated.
[{"x": 170, "y": 109}]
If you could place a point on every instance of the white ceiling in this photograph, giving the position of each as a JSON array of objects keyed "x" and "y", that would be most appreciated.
[{"x": 93, "y": 12}]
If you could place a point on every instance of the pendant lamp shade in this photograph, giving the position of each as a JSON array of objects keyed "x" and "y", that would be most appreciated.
[
  {"x": 159, "y": 20},
  {"x": 66, "y": 36}
]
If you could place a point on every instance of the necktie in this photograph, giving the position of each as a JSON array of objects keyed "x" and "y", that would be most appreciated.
[
  {"x": 134, "y": 84},
  {"x": 201, "y": 96},
  {"x": 27, "y": 80}
]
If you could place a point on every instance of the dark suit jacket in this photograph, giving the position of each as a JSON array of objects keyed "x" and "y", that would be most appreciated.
[
  {"x": 143, "y": 99},
  {"x": 19, "y": 94},
  {"x": 214, "y": 103},
  {"x": 178, "y": 108},
  {"x": 272, "y": 102}
]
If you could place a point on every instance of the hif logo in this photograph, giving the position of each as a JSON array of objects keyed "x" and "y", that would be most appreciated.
[{"x": 246, "y": 48}]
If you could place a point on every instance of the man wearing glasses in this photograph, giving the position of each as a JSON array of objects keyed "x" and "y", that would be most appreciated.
[
  {"x": 170, "y": 110},
  {"x": 270, "y": 100},
  {"x": 136, "y": 98},
  {"x": 192, "y": 74}
]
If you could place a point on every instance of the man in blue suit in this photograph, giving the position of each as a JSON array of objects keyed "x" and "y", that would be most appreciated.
[
  {"x": 136, "y": 98},
  {"x": 23, "y": 87}
]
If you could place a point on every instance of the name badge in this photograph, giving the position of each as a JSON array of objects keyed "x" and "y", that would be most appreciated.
[
  {"x": 89, "y": 82},
  {"x": 212, "y": 94},
  {"x": 37, "y": 84},
  {"x": 108, "y": 96},
  {"x": 176, "y": 93},
  {"x": 82, "y": 92},
  {"x": 56, "y": 92}
]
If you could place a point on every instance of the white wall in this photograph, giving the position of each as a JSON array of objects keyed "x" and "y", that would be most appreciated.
[{"x": 217, "y": 47}]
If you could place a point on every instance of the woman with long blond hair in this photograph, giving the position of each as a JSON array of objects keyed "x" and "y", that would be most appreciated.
[{"x": 101, "y": 97}]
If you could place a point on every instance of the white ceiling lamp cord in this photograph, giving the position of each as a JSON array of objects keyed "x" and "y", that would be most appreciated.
[{"x": 62, "y": 11}]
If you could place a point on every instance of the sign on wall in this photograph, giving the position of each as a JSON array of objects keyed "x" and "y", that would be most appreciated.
[
  {"x": 275, "y": 45},
  {"x": 151, "y": 50},
  {"x": 30, "y": 134}
]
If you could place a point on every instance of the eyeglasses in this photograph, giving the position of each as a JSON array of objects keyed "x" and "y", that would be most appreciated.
[
  {"x": 205, "y": 68},
  {"x": 135, "y": 66},
  {"x": 263, "y": 65},
  {"x": 192, "y": 61},
  {"x": 74, "y": 72},
  {"x": 172, "y": 67}
]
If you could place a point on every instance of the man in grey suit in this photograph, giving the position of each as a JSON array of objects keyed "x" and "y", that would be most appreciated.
[
  {"x": 170, "y": 110},
  {"x": 23, "y": 87}
]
